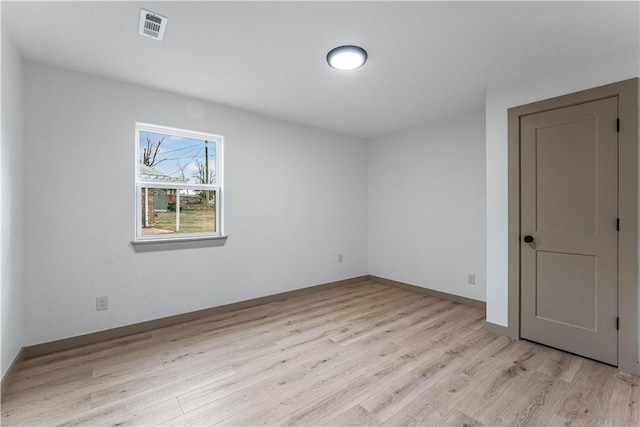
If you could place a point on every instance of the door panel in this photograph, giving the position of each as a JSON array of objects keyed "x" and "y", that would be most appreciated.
[
  {"x": 571, "y": 277},
  {"x": 565, "y": 174},
  {"x": 569, "y": 204}
]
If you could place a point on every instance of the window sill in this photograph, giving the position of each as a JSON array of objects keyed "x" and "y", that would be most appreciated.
[
  {"x": 186, "y": 239},
  {"x": 178, "y": 239}
]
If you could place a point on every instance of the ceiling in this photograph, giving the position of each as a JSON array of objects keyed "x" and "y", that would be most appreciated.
[{"x": 427, "y": 60}]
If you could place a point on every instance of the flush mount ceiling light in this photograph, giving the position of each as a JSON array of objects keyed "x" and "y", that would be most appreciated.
[{"x": 346, "y": 58}]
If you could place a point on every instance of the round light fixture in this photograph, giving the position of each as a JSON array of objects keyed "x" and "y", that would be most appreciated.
[{"x": 345, "y": 58}]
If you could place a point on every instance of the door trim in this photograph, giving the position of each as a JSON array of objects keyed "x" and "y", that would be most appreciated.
[{"x": 627, "y": 93}]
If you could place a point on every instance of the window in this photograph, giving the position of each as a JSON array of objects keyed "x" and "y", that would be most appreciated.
[{"x": 178, "y": 184}]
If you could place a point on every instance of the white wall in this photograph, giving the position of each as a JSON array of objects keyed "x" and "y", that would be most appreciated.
[
  {"x": 295, "y": 197},
  {"x": 622, "y": 66},
  {"x": 11, "y": 242},
  {"x": 78, "y": 194},
  {"x": 427, "y": 205}
]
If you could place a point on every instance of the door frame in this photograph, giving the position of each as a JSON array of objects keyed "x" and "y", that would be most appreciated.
[{"x": 628, "y": 287}]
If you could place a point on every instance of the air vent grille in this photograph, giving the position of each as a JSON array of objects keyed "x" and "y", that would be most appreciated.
[{"x": 152, "y": 25}]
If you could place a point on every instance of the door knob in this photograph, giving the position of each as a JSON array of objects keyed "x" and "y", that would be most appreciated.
[{"x": 528, "y": 239}]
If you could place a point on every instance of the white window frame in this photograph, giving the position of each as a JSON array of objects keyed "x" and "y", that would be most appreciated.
[{"x": 140, "y": 184}]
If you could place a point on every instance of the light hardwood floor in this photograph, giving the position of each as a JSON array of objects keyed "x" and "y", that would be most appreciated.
[{"x": 364, "y": 354}]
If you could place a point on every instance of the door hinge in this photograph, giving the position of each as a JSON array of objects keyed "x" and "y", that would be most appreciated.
[
  {"x": 617, "y": 323},
  {"x": 617, "y": 125},
  {"x": 618, "y": 224}
]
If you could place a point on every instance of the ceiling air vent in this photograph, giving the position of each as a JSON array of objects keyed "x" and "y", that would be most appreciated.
[{"x": 152, "y": 25}]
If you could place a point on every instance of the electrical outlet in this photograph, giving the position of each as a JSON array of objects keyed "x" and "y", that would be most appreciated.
[
  {"x": 339, "y": 257},
  {"x": 471, "y": 279},
  {"x": 102, "y": 303}
]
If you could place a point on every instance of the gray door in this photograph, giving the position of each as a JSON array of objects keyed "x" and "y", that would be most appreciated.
[{"x": 569, "y": 205}]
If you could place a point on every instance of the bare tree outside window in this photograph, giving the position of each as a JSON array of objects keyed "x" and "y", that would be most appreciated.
[
  {"x": 201, "y": 174},
  {"x": 150, "y": 152}
]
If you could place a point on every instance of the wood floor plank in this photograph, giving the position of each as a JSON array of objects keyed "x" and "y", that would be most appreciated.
[
  {"x": 561, "y": 365},
  {"x": 151, "y": 416},
  {"x": 197, "y": 374},
  {"x": 474, "y": 338},
  {"x": 114, "y": 408},
  {"x": 278, "y": 376},
  {"x": 395, "y": 395},
  {"x": 558, "y": 421},
  {"x": 29, "y": 387},
  {"x": 361, "y": 354},
  {"x": 257, "y": 415},
  {"x": 265, "y": 315},
  {"x": 432, "y": 405},
  {"x": 624, "y": 409},
  {"x": 589, "y": 396},
  {"x": 75, "y": 358},
  {"x": 225, "y": 340},
  {"x": 289, "y": 389},
  {"x": 342, "y": 396},
  {"x": 535, "y": 404},
  {"x": 492, "y": 396},
  {"x": 37, "y": 403},
  {"x": 336, "y": 318},
  {"x": 132, "y": 364},
  {"x": 384, "y": 321},
  {"x": 458, "y": 419},
  {"x": 90, "y": 351},
  {"x": 37, "y": 415},
  {"x": 285, "y": 392},
  {"x": 356, "y": 416}
]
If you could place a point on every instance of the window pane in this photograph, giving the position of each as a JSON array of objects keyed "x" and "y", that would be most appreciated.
[
  {"x": 174, "y": 158},
  {"x": 197, "y": 211},
  {"x": 161, "y": 215}
]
